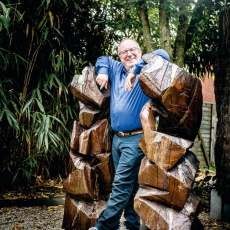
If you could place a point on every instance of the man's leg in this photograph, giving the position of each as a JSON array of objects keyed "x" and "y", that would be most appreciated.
[
  {"x": 124, "y": 181},
  {"x": 132, "y": 219}
]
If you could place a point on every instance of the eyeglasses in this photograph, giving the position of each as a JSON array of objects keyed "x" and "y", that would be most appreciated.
[{"x": 125, "y": 52}]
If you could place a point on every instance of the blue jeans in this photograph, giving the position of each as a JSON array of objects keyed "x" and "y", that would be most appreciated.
[{"x": 127, "y": 157}]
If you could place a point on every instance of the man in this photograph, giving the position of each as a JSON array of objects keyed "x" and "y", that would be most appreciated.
[{"x": 125, "y": 108}]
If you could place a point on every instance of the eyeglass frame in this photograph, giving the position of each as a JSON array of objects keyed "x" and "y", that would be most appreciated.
[{"x": 125, "y": 52}]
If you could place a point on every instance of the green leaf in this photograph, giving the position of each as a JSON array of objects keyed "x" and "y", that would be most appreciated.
[
  {"x": 11, "y": 119},
  {"x": 39, "y": 94},
  {"x": 40, "y": 139},
  {"x": 27, "y": 105},
  {"x": 45, "y": 33},
  {"x": 58, "y": 32},
  {"x": 46, "y": 143},
  {"x": 40, "y": 105}
]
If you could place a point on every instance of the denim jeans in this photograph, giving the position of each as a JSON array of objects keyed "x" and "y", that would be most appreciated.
[{"x": 127, "y": 157}]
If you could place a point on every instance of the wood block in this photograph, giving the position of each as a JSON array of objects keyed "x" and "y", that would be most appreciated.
[
  {"x": 175, "y": 90},
  {"x": 76, "y": 132},
  {"x": 157, "y": 216},
  {"x": 95, "y": 140},
  {"x": 93, "y": 177},
  {"x": 183, "y": 101},
  {"x": 162, "y": 149},
  {"x": 86, "y": 90},
  {"x": 157, "y": 75},
  {"x": 88, "y": 115},
  {"x": 82, "y": 182},
  {"x": 81, "y": 215},
  {"x": 170, "y": 188},
  {"x": 105, "y": 173}
]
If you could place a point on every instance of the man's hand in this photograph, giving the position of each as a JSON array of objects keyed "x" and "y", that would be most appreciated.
[
  {"x": 102, "y": 80},
  {"x": 129, "y": 81}
]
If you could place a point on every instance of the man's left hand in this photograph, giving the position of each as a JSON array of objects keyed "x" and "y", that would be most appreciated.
[{"x": 129, "y": 81}]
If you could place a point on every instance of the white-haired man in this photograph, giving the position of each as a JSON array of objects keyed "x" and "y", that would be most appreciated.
[{"x": 126, "y": 102}]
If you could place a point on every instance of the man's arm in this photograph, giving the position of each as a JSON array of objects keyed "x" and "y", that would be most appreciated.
[
  {"x": 130, "y": 79},
  {"x": 103, "y": 68},
  {"x": 102, "y": 79}
]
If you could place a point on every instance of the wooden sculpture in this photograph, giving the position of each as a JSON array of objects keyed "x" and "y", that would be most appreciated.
[
  {"x": 164, "y": 200},
  {"x": 88, "y": 187},
  {"x": 168, "y": 171}
]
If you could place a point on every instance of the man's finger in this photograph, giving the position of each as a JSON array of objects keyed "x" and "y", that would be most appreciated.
[{"x": 103, "y": 84}]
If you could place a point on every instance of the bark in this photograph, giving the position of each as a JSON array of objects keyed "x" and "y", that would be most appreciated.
[
  {"x": 179, "y": 50},
  {"x": 148, "y": 42},
  {"x": 164, "y": 29},
  {"x": 222, "y": 92}
]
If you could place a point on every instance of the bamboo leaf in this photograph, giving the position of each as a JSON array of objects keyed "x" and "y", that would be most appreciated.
[
  {"x": 46, "y": 143},
  {"x": 58, "y": 32},
  {"x": 1, "y": 114},
  {"x": 47, "y": 124},
  {"x": 40, "y": 139},
  {"x": 34, "y": 120},
  {"x": 40, "y": 105},
  {"x": 54, "y": 138},
  {"x": 11, "y": 119},
  {"x": 15, "y": 106},
  {"x": 51, "y": 78},
  {"x": 48, "y": 93},
  {"x": 27, "y": 29},
  {"x": 47, "y": 2},
  {"x": 27, "y": 105},
  {"x": 45, "y": 33},
  {"x": 51, "y": 19},
  {"x": 42, "y": 22},
  {"x": 39, "y": 94},
  {"x": 58, "y": 82}
]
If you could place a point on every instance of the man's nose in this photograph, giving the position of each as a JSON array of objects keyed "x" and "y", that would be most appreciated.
[{"x": 128, "y": 51}]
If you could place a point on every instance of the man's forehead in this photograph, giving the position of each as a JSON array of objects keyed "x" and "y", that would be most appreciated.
[{"x": 127, "y": 43}]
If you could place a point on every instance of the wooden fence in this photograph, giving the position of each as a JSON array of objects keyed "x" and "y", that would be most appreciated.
[{"x": 205, "y": 141}]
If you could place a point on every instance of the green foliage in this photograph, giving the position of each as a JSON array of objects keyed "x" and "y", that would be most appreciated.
[
  {"x": 202, "y": 38},
  {"x": 42, "y": 45}
]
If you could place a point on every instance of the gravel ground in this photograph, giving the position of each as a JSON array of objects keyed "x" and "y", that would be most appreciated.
[
  {"x": 50, "y": 217},
  {"x": 32, "y": 218}
]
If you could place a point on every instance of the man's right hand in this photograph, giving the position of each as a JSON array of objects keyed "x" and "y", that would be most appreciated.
[{"x": 102, "y": 80}]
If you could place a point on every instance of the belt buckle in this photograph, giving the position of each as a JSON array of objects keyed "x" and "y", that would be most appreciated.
[{"x": 121, "y": 134}]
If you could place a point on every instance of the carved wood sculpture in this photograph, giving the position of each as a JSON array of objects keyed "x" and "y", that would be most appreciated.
[
  {"x": 167, "y": 172},
  {"x": 88, "y": 187}
]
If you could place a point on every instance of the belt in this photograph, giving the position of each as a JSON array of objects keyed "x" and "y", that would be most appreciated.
[{"x": 124, "y": 134}]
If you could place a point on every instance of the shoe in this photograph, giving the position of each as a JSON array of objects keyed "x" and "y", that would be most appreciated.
[{"x": 93, "y": 228}]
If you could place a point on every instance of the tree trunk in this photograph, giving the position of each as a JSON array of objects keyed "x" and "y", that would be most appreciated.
[
  {"x": 165, "y": 38},
  {"x": 179, "y": 50},
  {"x": 148, "y": 42},
  {"x": 222, "y": 93}
]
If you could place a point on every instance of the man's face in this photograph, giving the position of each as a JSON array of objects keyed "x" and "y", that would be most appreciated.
[{"x": 129, "y": 53}]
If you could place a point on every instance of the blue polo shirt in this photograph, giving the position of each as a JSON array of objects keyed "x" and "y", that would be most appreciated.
[{"x": 125, "y": 106}]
